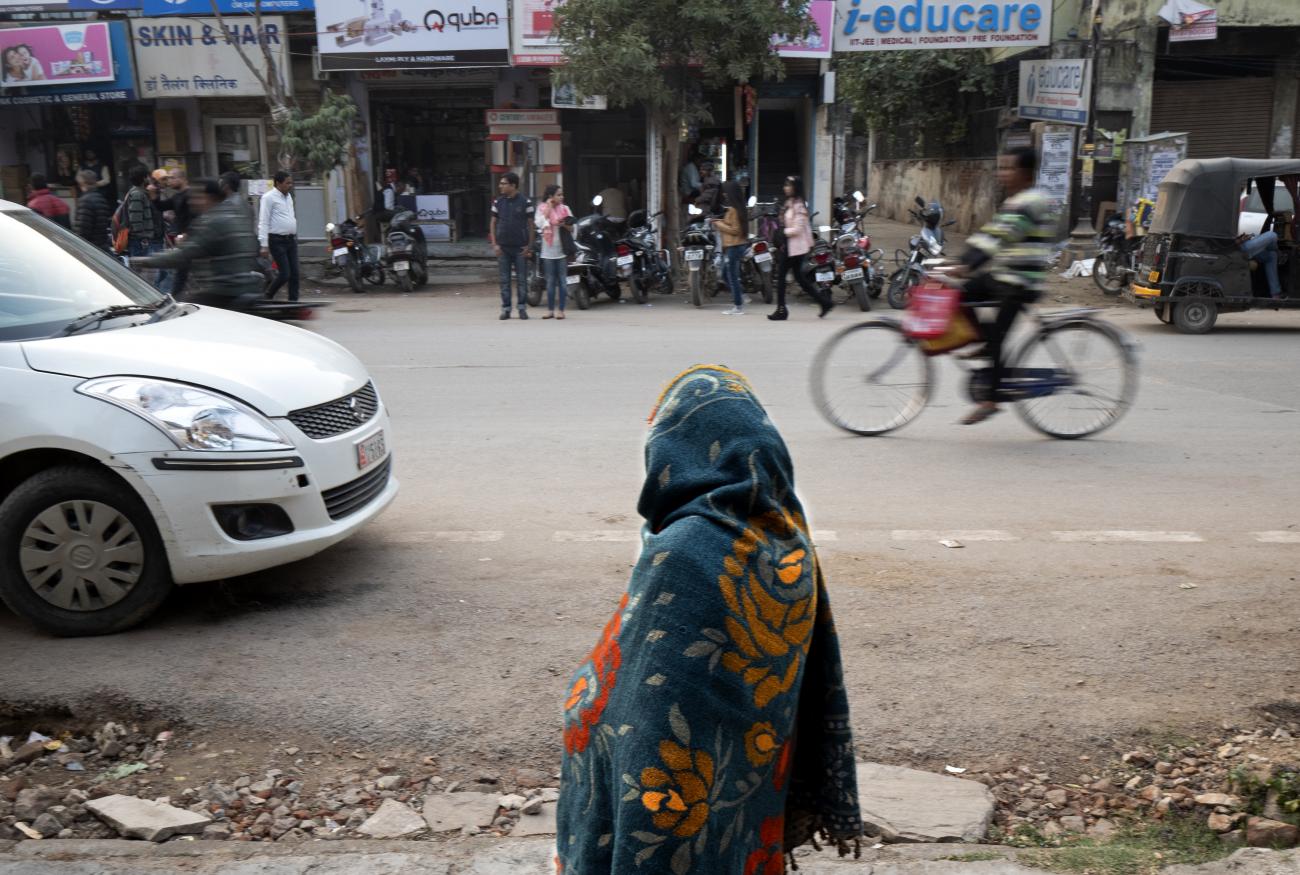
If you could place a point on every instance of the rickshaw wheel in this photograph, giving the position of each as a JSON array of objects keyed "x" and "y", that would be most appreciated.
[{"x": 1195, "y": 317}]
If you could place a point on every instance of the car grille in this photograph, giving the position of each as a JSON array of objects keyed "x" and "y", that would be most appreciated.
[
  {"x": 345, "y": 500},
  {"x": 336, "y": 417}
]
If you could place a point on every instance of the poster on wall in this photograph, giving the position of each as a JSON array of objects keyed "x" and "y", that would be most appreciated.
[
  {"x": 817, "y": 44},
  {"x": 119, "y": 88},
  {"x": 894, "y": 25},
  {"x": 69, "y": 54},
  {"x": 1055, "y": 165},
  {"x": 226, "y": 7},
  {"x": 194, "y": 57},
  {"x": 1055, "y": 91},
  {"x": 533, "y": 41},
  {"x": 356, "y": 35}
]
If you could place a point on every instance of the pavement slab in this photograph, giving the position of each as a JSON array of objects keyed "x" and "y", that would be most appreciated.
[{"x": 908, "y": 805}]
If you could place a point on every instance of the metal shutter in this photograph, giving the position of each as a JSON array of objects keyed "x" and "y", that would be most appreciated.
[{"x": 1224, "y": 118}]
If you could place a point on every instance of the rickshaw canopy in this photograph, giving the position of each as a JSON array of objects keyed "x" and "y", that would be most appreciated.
[{"x": 1202, "y": 197}]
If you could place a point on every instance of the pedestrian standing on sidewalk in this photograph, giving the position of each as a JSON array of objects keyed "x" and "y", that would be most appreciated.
[
  {"x": 708, "y": 731},
  {"x": 138, "y": 213},
  {"x": 177, "y": 201},
  {"x": 94, "y": 214},
  {"x": 798, "y": 243},
  {"x": 551, "y": 216},
  {"x": 512, "y": 235},
  {"x": 734, "y": 228},
  {"x": 277, "y": 232},
  {"x": 45, "y": 202}
]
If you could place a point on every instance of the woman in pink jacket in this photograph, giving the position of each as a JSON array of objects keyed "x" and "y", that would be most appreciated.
[{"x": 798, "y": 242}]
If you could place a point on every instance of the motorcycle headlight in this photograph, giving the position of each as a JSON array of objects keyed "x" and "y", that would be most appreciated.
[{"x": 195, "y": 419}]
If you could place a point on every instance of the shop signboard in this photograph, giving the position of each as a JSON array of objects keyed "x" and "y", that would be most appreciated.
[
  {"x": 33, "y": 6},
  {"x": 533, "y": 42},
  {"x": 67, "y": 54},
  {"x": 893, "y": 25},
  {"x": 120, "y": 87},
  {"x": 195, "y": 57},
  {"x": 116, "y": 5},
  {"x": 355, "y": 35},
  {"x": 225, "y": 7},
  {"x": 1055, "y": 91},
  {"x": 497, "y": 117},
  {"x": 817, "y": 44},
  {"x": 566, "y": 97}
]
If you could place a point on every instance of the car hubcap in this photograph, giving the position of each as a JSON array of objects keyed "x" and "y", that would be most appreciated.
[{"x": 81, "y": 556}]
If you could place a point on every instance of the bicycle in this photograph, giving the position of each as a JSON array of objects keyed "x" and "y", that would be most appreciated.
[{"x": 1073, "y": 376}]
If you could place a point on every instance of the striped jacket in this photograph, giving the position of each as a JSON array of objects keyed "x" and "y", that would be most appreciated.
[{"x": 1015, "y": 247}]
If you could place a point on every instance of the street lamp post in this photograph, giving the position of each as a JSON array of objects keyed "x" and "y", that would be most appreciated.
[{"x": 1082, "y": 237}]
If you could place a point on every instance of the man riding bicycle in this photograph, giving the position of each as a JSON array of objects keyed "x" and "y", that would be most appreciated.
[{"x": 1007, "y": 261}]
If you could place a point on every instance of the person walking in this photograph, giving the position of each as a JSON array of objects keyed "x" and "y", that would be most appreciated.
[
  {"x": 512, "y": 236},
  {"x": 798, "y": 243},
  {"x": 176, "y": 200},
  {"x": 138, "y": 213},
  {"x": 94, "y": 214},
  {"x": 277, "y": 233},
  {"x": 551, "y": 216},
  {"x": 733, "y": 226},
  {"x": 45, "y": 202}
]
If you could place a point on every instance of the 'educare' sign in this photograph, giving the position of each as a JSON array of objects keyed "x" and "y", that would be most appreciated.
[{"x": 891, "y": 25}]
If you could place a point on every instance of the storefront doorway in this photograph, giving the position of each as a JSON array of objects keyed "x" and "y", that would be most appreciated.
[{"x": 604, "y": 149}]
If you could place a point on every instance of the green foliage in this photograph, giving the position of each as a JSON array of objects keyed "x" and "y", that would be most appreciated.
[
  {"x": 320, "y": 140},
  {"x": 1279, "y": 786},
  {"x": 1138, "y": 849},
  {"x": 655, "y": 52},
  {"x": 925, "y": 91}
]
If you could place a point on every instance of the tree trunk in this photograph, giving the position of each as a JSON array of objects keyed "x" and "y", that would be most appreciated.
[{"x": 670, "y": 149}]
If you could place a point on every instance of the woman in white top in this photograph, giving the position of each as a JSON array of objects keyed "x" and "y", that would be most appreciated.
[{"x": 550, "y": 217}]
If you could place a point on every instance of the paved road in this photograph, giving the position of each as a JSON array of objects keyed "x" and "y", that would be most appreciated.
[{"x": 1144, "y": 578}]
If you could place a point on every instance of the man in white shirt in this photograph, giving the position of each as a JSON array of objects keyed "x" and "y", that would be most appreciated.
[{"x": 277, "y": 232}]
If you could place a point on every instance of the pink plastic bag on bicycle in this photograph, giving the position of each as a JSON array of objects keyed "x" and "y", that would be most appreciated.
[{"x": 931, "y": 308}]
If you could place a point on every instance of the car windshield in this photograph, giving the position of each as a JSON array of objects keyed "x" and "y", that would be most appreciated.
[
  {"x": 49, "y": 278},
  {"x": 1282, "y": 202}
]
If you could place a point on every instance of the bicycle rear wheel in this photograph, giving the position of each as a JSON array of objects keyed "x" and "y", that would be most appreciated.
[
  {"x": 870, "y": 379},
  {"x": 1101, "y": 373}
]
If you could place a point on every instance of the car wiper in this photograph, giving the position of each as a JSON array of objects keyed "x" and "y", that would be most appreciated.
[{"x": 97, "y": 316}]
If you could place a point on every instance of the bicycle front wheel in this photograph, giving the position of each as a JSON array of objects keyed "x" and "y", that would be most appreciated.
[
  {"x": 870, "y": 379},
  {"x": 1098, "y": 373}
]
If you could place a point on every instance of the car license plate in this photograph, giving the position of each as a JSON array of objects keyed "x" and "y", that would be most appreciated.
[
  {"x": 371, "y": 450},
  {"x": 401, "y": 265},
  {"x": 573, "y": 280},
  {"x": 342, "y": 250},
  {"x": 851, "y": 275},
  {"x": 827, "y": 277},
  {"x": 762, "y": 257},
  {"x": 624, "y": 260},
  {"x": 694, "y": 254}
]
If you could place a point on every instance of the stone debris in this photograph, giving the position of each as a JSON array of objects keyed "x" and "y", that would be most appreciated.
[
  {"x": 540, "y": 823},
  {"x": 393, "y": 820},
  {"x": 906, "y": 805},
  {"x": 451, "y": 812},
  {"x": 135, "y": 818}
]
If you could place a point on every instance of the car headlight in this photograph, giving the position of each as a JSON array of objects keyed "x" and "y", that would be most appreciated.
[{"x": 195, "y": 419}]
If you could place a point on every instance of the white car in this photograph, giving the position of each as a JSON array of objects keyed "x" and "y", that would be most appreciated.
[
  {"x": 1250, "y": 221},
  {"x": 145, "y": 443}
]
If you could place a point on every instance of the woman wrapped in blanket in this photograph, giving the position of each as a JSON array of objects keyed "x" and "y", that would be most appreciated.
[{"x": 708, "y": 731}]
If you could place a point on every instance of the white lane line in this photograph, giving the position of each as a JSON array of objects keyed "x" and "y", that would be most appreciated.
[
  {"x": 1277, "y": 537},
  {"x": 458, "y": 537},
  {"x": 825, "y": 535},
  {"x": 954, "y": 534},
  {"x": 607, "y": 536},
  {"x": 1121, "y": 536}
]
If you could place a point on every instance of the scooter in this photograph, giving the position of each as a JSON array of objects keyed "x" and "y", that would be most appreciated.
[
  {"x": 651, "y": 266},
  {"x": 697, "y": 254},
  {"x": 855, "y": 259},
  {"x": 407, "y": 254},
  {"x": 819, "y": 265},
  {"x": 756, "y": 265},
  {"x": 603, "y": 261},
  {"x": 350, "y": 253},
  {"x": 926, "y": 245}
]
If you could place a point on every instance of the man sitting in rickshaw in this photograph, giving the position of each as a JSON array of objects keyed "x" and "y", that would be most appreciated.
[{"x": 1263, "y": 249}]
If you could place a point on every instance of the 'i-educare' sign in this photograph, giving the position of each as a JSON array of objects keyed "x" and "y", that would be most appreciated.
[{"x": 891, "y": 25}]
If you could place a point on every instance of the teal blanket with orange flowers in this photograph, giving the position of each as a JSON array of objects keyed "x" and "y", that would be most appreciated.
[{"x": 708, "y": 731}]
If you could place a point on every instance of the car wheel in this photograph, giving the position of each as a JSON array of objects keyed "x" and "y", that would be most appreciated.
[{"x": 80, "y": 554}]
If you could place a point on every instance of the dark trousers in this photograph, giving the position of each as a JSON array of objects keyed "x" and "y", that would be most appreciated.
[
  {"x": 512, "y": 259},
  {"x": 1012, "y": 301},
  {"x": 284, "y": 252},
  {"x": 795, "y": 263}
]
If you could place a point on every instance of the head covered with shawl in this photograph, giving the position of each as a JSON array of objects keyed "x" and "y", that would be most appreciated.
[{"x": 708, "y": 731}]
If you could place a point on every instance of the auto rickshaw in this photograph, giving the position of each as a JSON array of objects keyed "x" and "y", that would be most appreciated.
[{"x": 1192, "y": 266}]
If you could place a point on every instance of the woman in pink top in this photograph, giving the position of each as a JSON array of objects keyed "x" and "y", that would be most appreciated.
[{"x": 798, "y": 242}]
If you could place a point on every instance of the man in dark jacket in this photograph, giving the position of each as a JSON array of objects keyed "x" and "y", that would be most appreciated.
[
  {"x": 177, "y": 200},
  {"x": 43, "y": 201},
  {"x": 139, "y": 216},
  {"x": 94, "y": 213},
  {"x": 220, "y": 250},
  {"x": 512, "y": 231}
]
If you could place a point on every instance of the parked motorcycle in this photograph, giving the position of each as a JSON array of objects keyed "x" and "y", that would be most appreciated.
[
  {"x": 407, "y": 254},
  {"x": 757, "y": 263},
  {"x": 856, "y": 264},
  {"x": 350, "y": 253},
  {"x": 927, "y": 244},
  {"x": 1116, "y": 262},
  {"x": 651, "y": 266},
  {"x": 603, "y": 260},
  {"x": 819, "y": 265},
  {"x": 697, "y": 254}
]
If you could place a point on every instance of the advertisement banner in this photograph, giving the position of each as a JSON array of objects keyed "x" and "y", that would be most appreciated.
[
  {"x": 1055, "y": 91},
  {"x": 67, "y": 54},
  {"x": 818, "y": 42},
  {"x": 1055, "y": 165},
  {"x": 566, "y": 97},
  {"x": 353, "y": 35},
  {"x": 193, "y": 57},
  {"x": 120, "y": 87},
  {"x": 533, "y": 42},
  {"x": 892, "y": 25},
  {"x": 226, "y": 7},
  {"x": 34, "y": 6},
  {"x": 117, "y": 5}
]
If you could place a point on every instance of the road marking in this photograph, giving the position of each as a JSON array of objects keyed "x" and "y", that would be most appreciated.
[
  {"x": 470, "y": 537},
  {"x": 621, "y": 537},
  {"x": 1277, "y": 537},
  {"x": 957, "y": 534},
  {"x": 825, "y": 535},
  {"x": 1122, "y": 536}
]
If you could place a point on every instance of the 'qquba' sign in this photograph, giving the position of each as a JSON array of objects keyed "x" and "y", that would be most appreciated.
[{"x": 892, "y": 25}]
